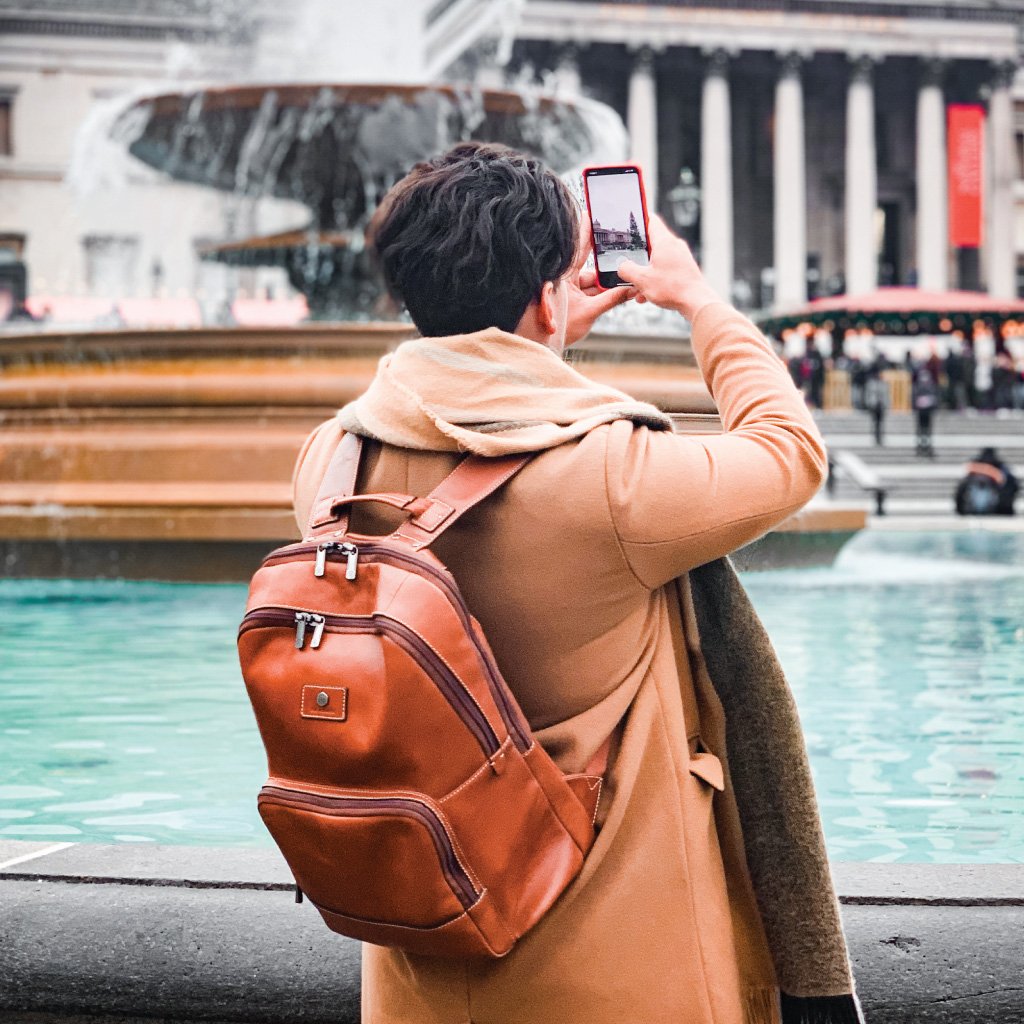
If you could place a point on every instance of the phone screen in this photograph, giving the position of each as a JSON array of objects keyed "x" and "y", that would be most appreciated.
[{"x": 618, "y": 219}]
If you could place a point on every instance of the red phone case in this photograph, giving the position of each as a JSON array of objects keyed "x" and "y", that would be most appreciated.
[{"x": 590, "y": 215}]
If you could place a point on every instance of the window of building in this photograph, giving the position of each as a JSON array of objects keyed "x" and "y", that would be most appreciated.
[
  {"x": 1019, "y": 140},
  {"x": 110, "y": 265},
  {"x": 12, "y": 246},
  {"x": 6, "y": 121}
]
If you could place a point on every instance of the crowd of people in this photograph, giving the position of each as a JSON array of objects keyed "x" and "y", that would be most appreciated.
[
  {"x": 977, "y": 372},
  {"x": 961, "y": 379}
]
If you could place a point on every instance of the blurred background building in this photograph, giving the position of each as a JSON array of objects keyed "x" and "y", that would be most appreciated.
[{"x": 801, "y": 145}]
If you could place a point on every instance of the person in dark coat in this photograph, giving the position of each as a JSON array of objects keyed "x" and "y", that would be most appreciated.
[
  {"x": 956, "y": 394},
  {"x": 858, "y": 378},
  {"x": 969, "y": 368},
  {"x": 925, "y": 399},
  {"x": 988, "y": 486},
  {"x": 876, "y": 399},
  {"x": 816, "y": 375},
  {"x": 935, "y": 367},
  {"x": 1003, "y": 379}
]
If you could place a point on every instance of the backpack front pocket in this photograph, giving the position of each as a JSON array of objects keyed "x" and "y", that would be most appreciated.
[{"x": 383, "y": 859}]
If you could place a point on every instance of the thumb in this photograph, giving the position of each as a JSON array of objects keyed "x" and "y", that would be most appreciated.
[
  {"x": 609, "y": 299},
  {"x": 632, "y": 272}
]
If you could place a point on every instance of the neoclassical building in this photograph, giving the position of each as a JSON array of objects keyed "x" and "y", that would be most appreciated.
[{"x": 815, "y": 130}]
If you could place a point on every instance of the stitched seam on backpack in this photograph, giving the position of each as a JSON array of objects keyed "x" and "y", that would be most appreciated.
[
  {"x": 404, "y": 927},
  {"x": 444, "y": 662},
  {"x": 483, "y": 768},
  {"x": 432, "y": 804},
  {"x": 551, "y": 805},
  {"x": 363, "y": 794},
  {"x": 319, "y": 713},
  {"x": 597, "y": 784},
  {"x": 459, "y": 855},
  {"x": 461, "y": 858},
  {"x": 583, "y": 775},
  {"x": 434, "y": 516}
]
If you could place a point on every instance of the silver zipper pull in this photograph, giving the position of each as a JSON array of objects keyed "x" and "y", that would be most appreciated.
[
  {"x": 300, "y": 630},
  {"x": 321, "y": 558},
  {"x": 351, "y": 553},
  {"x": 318, "y": 630}
]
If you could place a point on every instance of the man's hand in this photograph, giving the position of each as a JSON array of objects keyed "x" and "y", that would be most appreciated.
[
  {"x": 587, "y": 302},
  {"x": 672, "y": 280}
]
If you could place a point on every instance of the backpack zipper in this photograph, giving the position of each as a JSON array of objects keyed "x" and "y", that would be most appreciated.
[
  {"x": 350, "y": 551},
  {"x": 302, "y": 621},
  {"x": 510, "y": 715},
  {"x": 454, "y": 691},
  {"x": 404, "y": 806}
]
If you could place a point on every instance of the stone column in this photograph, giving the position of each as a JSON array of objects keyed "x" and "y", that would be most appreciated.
[
  {"x": 716, "y": 239},
  {"x": 790, "y": 186},
  {"x": 861, "y": 179},
  {"x": 642, "y": 118},
  {"x": 932, "y": 213},
  {"x": 999, "y": 242}
]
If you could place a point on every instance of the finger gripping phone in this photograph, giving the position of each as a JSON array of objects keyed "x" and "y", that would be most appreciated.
[{"x": 617, "y": 208}]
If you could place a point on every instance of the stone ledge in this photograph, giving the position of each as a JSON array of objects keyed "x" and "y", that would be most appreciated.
[
  {"x": 263, "y": 867},
  {"x": 138, "y": 933}
]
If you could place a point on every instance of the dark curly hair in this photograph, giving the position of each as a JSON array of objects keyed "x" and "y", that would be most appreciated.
[{"x": 467, "y": 240}]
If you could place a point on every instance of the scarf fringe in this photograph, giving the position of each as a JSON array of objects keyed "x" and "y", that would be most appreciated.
[
  {"x": 761, "y": 1006},
  {"x": 841, "y": 1009}
]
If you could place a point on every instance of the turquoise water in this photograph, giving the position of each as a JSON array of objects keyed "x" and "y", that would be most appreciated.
[{"x": 123, "y": 717}]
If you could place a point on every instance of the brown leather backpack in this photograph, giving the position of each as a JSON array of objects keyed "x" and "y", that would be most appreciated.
[{"x": 406, "y": 790}]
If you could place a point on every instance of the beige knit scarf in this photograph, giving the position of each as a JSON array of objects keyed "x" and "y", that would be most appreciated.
[
  {"x": 494, "y": 393},
  {"x": 490, "y": 393}
]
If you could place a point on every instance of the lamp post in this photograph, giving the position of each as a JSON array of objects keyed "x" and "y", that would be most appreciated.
[{"x": 684, "y": 201}]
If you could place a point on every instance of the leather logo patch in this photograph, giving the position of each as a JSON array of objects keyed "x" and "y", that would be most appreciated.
[{"x": 326, "y": 702}]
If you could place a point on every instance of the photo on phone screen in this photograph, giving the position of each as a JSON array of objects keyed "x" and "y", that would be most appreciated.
[{"x": 616, "y": 204}]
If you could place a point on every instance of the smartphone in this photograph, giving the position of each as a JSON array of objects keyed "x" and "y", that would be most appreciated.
[{"x": 618, "y": 219}]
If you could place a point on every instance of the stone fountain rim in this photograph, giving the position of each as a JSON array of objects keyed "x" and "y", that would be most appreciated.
[
  {"x": 78, "y": 346},
  {"x": 55, "y": 346},
  {"x": 227, "y": 97}
]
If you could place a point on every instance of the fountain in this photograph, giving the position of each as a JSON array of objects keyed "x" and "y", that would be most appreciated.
[{"x": 336, "y": 149}]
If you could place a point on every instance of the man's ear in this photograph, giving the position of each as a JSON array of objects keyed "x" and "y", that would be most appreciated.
[{"x": 546, "y": 308}]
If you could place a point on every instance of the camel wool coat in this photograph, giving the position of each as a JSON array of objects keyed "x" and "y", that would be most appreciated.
[{"x": 576, "y": 571}]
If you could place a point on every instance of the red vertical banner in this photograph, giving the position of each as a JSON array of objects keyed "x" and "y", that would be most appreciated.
[{"x": 965, "y": 137}]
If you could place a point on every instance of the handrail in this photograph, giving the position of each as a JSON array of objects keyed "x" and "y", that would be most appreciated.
[{"x": 856, "y": 470}]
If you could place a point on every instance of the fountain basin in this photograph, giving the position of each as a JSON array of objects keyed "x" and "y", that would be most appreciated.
[
  {"x": 167, "y": 454},
  {"x": 316, "y": 142}
]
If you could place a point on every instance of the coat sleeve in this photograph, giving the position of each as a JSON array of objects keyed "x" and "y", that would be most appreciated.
[
  {"x": 678, "y": 501},
  {"x": 310, "y": 466}
]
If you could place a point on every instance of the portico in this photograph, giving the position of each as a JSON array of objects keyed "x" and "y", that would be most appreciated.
[{"x": 817, "y": 138}]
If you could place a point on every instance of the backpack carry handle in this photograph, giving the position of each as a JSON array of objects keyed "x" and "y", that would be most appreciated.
[
  {"x": 402, "y": 501},
  {"x": 332, "y": 509}
]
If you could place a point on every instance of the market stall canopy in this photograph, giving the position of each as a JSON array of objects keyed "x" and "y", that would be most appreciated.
[{"x": 898, "y": 311}]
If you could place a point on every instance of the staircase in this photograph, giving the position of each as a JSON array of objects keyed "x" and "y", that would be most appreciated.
[{"x": 920, "y": 486}]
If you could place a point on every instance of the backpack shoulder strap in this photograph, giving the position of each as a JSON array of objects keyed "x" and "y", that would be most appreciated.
[
  {"x": 472, "y": 480},
  {"x": 339, "y": 481}
]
